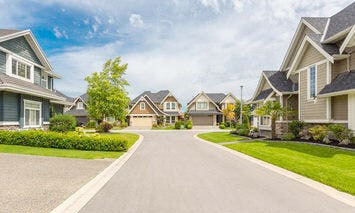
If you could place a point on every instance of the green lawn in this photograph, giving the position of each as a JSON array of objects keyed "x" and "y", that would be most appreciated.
[
  {"x": 331, "y": 166},
  {"x": 69, "y": 153},
  {"x": 219, "y": 137}
]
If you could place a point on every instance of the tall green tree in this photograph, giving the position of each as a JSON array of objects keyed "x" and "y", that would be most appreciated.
[
  {"x": 246, "y": 112},
  {"x": 274, "y": 110},
  {"x": 107, "y": 93}
]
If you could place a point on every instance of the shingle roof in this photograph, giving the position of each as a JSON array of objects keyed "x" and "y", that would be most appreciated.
[
  {"x": 12, "y": 81},
  {"x": 67, "y": 98},
  {"x": 343, "y": 81},
  {"x": 329, "y": 48},
  {"x": 279, "y": 81},
  {"x": 157, "y": 97},
  {"x": 77, "y": 112},
  {"x": 216, "y": 97},
  {"x": 85, "y": 97},
  {"x": 5, "y": 32},
  {"x": 204, "y": 112},
  {"x": 341, "y": 21},
  {"x": 317, "y": 22},
  {"x": 263, "y": 94}
]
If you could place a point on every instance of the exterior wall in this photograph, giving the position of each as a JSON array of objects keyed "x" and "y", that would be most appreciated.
[
  {"x": 291, "y": 102},
  {"x": 147, "y": 109},
  {"x": 21, "y": 47},
  {"x": 340, "y": 107},
  {"x": 351, "y": 114},
  {"x": 202, "y": 99},
  {"x": 2, "y": 62},
  {"x": 57, "y": 109},
  {"x": 310, "y": 56},
  {"x": 265, "y": 86},
  {"x": 313, "y": 109},
  {"x": 37, "y": 75},
  {"x": 294, "y": 78},
  {"x": 338, "y": 67},
  {"x": 170, "y": 99},
  {"x": 9, "y": 106}
]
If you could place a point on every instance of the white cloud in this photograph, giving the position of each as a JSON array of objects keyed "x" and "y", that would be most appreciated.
[
  {"x": 214, "y": 4},
  {"x": 60, "y": 34},
  {"x": 136, "y": 20}
]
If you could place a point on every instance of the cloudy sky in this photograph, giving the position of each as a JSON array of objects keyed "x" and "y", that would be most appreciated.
[{"x": 185, "y": 46}]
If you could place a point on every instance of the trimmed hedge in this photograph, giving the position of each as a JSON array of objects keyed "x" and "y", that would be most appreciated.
[
  {"x": 62, "y": 123},
  {"x": 57, "y": 140}
]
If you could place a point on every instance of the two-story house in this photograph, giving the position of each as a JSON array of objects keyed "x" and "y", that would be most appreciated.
[
  {"x": 317, "y": 75},
  {"x": 148, "y": 107},
  {"x": 78, "y": 109},
  {"x": 205, "y": 109},
  {"x": 26, "y": 82}
]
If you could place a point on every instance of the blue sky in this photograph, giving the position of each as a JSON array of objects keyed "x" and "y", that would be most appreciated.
[{"x": 184, "y": 46}]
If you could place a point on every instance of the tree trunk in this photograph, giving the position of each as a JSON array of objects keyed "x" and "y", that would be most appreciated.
[{"x": 273, "y": 128}]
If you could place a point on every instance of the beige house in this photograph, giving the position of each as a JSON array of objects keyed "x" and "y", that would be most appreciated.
[
  {"x": 205, "y": 109},
  {"x": 148, "y": 107},
  {"x": 317, "y": 75}
]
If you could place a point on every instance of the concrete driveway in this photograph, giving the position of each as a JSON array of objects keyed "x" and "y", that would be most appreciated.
[{"x": 173, "y": 172}]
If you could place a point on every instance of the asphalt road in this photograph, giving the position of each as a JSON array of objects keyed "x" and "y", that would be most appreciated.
[{"x": 173, "y": 172}]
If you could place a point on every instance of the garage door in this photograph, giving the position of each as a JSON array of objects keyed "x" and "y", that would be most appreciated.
[
  {"x": 142, "y": 121},
  {"x": 205, "y": 120}
]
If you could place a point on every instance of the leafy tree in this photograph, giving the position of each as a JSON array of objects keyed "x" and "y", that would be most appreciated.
[
  {"x": 106, "y": 90},
  {"x": 228, "y": 112},
  {"x": 274, "y": 110},
  {"x": 246, "y": 112}
]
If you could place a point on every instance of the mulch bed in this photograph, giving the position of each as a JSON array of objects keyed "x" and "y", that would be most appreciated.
[{"x": 333, "y": 143}]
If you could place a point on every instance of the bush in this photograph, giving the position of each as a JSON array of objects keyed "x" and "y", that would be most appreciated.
[
  {"x": 104, "y": 126},
  {"x": 155, "y": 125},
  {"x": 123, "y": 124},
  {"x": 296, "y": 127},
  {"x": 318, "y": 132},
  {"x": 178, "y": 125},
  {"x": 288, "y": 136},
  {"x": 188, "y": 124},
  {"x": 62, "y": 123},
  {"x": 58, "y": 140},
  {"x": 340, "y": 132},
  {"x": 222, "y": 126},
  {"x": 227, "y": 124},
  {"x": 243, "y": 131},
  {"x": 91, "y": 124}
]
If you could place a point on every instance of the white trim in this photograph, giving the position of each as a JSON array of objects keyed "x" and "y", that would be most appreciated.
[
  {"x": 231, "y": 95},
  {"x": 147, "y": 98},
  {"x": 76, "y": 99},
  {"x": 306, "y": 67},
  {"x": 257, "y": 89},
  {"x": 310, "y": 26},
  {"x": 9, "y": 60},
  {"x": 329, "y": 101},
  {"x": 24, "y": 113},
  {"x": 46, "y": 122},
  {"x": 324, "y": 121},
  {"x": 337, "y": 36},
  {"x": 143, "y": 98},
  {"x": 203, "y": 93},
  {"x": 143, "y": 115},
  {"x": 269, "y": 97},
  {"x": 351, "y": 112},
  {"x": 142, "y": 106},
  {"x": 325, "y": 29},
  {"x": 170, "y": 94},
  {"x": 344, "y": 92},
  {"x": 278, "y": 92},
  {"x": 347, "y": 40},
  {"x": 9, "y": 123},
  {"x": 309, "y": 98},
  {"x": 21, "y": 58},
  {"x": 15, "y": 88},
  {"x": 301, "y": 50},
  {"x": 201, "y": 109}
]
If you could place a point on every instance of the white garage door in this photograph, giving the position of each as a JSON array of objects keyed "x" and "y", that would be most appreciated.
[
  {"x": 142, "y": 121},
  {"x": 204, "y": 120}
]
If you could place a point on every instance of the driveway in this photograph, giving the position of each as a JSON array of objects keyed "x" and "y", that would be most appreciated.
[
  {"x": 173, "y": 172},
  {"x": 39, "y": 184}
]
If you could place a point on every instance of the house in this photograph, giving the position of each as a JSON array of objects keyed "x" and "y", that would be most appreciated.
[
  {"x": 317, "y": 76},
  {"x": 205, "y": 109},
  {"x": 78, "y": 109},
  {"x": 148, "y": 107},
  {"x": 26, "y": 82}
]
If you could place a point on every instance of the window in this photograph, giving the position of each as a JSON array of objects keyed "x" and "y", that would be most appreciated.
[
  {"x": 170, "y": 105},
  {"x": 167, "y": 119},
  {"x": 142, "y": 106},
  {"x": 20, "y": 69},
  {"x": 50, "y": 83},
  {"x": 32, "y": 113},
  {"x": 312, "y": 79},
  {"x": 167, "y": 105},
  {"x": 173, "y": 105},
  {"x": 80, "y": 105},
  {"x": 265, "y": 120},
  {"x": 201, "y": 105},
  {"x": 173, "y": 119},
  {"x": 44, "y": 81}
]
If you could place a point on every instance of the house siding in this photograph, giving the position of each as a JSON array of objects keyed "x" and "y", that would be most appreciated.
[
  {"x": 2, "y": 62},
  {"x": 340, "y": 107},
  {"x": 313, "y": 109},
  {"x": 21, "y": 47},
  {"x": 9, "y": 106},
  {"x": 310, "y": 56},
  {"x": 265, "y": 86},
  {"x": 37, "y": 75},
  {"x": 57, "y": 109},
  {"x": 147, "y": 109}
]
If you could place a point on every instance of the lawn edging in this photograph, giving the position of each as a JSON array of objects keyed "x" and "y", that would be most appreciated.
[
  {"x": 81, "y": 197},
  {"x": 330, "y": 191}
]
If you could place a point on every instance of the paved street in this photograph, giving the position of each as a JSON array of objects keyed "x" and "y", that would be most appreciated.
[{"x": 173, "y": 172}]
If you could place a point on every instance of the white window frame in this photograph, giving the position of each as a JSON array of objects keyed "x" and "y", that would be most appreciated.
[
  {"x": 80, "y": 105},
  {"x": 168, "y": 106},
  {"x": 198, "y": 106},
  {"x": 24, "y": 113},
  {"x": 173, "y": 120},
  {"x": 168, "y": 119},
  {"x": 309, "y": 82},
  {"x": 9, "y": 60},
  {"x": 142, "y": 106}
]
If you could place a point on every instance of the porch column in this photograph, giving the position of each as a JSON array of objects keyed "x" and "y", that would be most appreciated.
[{"x": 351, "y": 112}]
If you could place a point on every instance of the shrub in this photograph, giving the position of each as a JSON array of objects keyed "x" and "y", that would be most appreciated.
[
  {"x": 288, "y": 136},
  {"x": 222, "y": 126},
  {"x": 188, "y": 124},
  {"x": 123, "y": 124},
  {"x": 91, "y": 124},
  {"x": 243, "y": 131},
  {"x": 296, "y": 127},
  {"x": 58, "y": 140},
  {"x": 340, "y": 132},
  {"x": 155, "y": 125},
  {"x": 62, "y": 123},
  {"x": 233, "y": 124},
  {"x": 178, "y": 125},
  {"x": 318, "y": 132},
  {"x": 104, "y": 126},
  {"x": 227, "y": 124}
]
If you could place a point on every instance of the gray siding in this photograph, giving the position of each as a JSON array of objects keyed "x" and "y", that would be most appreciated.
[
  {"x": 21, "y": 47},
  {"x": 9, "y": 106},
  {"x": 56, "y": 109},
  {"x": 2, "y": 62},
  {"x": 37, "y": 75}
]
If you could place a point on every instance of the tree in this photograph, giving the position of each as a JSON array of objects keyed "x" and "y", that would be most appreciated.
[
  {"x": 107, "y": 93},
  {"x": 228, "y": 112},
  {"x": 274, "y": 110},
  {"x": 246, "y": 112}
]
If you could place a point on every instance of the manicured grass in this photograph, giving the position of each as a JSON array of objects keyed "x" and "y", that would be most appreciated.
[
  {"x": 219, "y": 137},
  {"x": 69, "y": 153},
  {"x": 331, "y": 166},
  {"x": 171, "y": 127}
]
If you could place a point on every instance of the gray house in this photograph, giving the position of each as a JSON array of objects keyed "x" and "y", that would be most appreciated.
[
  {"x": 78, "y": 109},
  {"x": 26, "y": 82}
]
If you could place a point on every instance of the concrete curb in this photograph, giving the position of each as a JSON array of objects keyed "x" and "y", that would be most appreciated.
[
  {"x": 331, "y": 192},
  {"x": 170, "y": 130},
  {"x": 81, "y": 197}
]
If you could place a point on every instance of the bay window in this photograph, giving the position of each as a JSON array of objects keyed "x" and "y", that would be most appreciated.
[{"x": 32, "y": 113}]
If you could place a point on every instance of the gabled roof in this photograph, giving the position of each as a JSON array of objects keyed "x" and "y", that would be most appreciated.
[
  {"x": 319, "y": 23},
  {"x": 150, "y": 103},
  {"x": 5, "y": 32},
  {"x": 67, "y": 98},
  {"x": 263, "y": 95},
  {"x": 77, "y": 112},
  {"x": 341, "y": 21},
  {"x": 216, "y": 97},
  {"x": 14, "y": 84},
  {"x": 343, "y": 82},
  {"x": 280, "y": 82},
  {"x": 85, "y": 97},
  {"x": 331, "y": 49},
  {"x": 157, "y": 97}
]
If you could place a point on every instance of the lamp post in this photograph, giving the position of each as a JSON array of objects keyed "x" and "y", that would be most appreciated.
[{"x": 241, "y": 105}]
